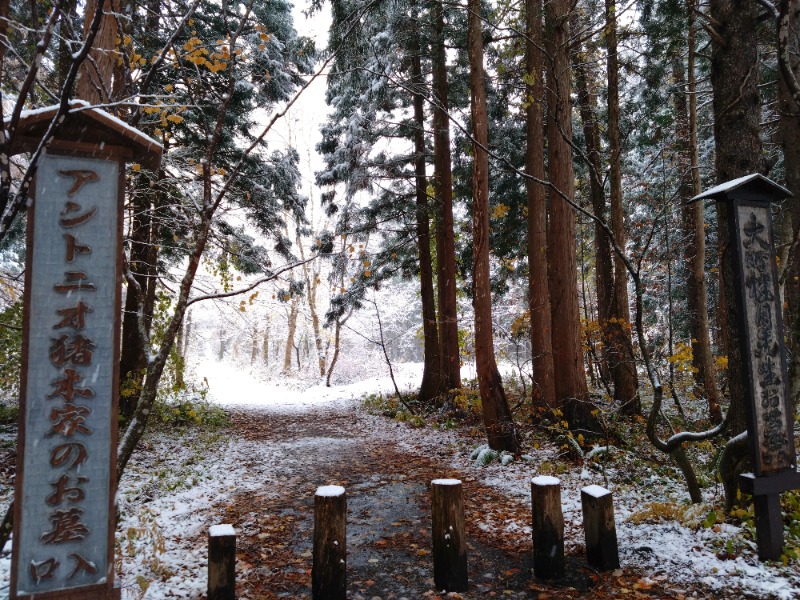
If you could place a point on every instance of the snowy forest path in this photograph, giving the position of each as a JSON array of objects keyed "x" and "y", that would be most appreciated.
[{"x": 388, "y": 521}]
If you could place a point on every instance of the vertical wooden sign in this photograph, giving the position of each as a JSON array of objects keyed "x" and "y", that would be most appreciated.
[
  {"x": 64, "y": 499},
  {"x": 772, "y": 424},
  {"x": 760, "y": 322}
]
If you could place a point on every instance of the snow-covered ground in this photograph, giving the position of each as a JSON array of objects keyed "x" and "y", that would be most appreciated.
[{"x": 178, "y": 485}]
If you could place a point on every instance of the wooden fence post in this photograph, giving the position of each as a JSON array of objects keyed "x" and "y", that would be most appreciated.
[
  {"x": 221, "y": 562},
  {"x": 449, "y": 536},
  {"x": 547, "y": 527},
  {"x": 599, "y": 527},
  {"x": 329, "y": 569}
]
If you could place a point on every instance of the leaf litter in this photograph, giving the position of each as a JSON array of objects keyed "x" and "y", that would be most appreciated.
[{"x": 261, "y": 473}]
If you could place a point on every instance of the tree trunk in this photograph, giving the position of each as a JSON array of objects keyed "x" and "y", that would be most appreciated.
[
  {"x": 188, "y": 335},
  {"x": 64, "y": 59},
  {"x": 790, "y": 133},
  {"x": 287, "y": 355},
  {"x": 96, "y": 74},
  {"x": 312, "y": 283},
  {"x": 155, "y": 367},
  {"x": 570, "y": 377},
  {"x": 496, "y": 414},
  {"x": 133, "y": 358},
  {"x": 734, "y": 78},
  {"x": 623, "y": 365},
  {"x": 445, "y": 241},
  {"x": 694, "y": 251},
  {"x": 265, "y": 344},
  {"x": 431, "y": 384},
  {"x": 544, "y": 391},
  {"x": 604, "y": 275}
]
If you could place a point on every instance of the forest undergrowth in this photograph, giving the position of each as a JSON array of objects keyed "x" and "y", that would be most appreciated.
[{"x": 258, "y": 471}]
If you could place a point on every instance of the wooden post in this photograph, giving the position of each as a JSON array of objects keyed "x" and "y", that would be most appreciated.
[
  {"x": 329, "y": 570},
  {"x": 547, "y": 527},
  {"x": 759, "y": 321},
  {"x": 65, "y": 506},
  {"x": 599, "y": 527},
  {"x": 449, "y": 536},
  {"x": 221, "y": 562}
]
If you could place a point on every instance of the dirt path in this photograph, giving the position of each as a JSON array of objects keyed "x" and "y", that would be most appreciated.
[{"x": 388, "y": 537}]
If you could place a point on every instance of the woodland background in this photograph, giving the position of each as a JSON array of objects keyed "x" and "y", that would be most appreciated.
[{"x": 517, "y": 172}]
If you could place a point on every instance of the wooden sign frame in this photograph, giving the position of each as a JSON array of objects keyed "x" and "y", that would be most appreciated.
[
  {"x": 93, "y": 137},
  {"x": 759, "y": 316}
]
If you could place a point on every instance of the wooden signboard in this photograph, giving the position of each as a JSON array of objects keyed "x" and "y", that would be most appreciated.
[
  {"x": 65, "y": 514},
  {"x": 760, "y": 323}
]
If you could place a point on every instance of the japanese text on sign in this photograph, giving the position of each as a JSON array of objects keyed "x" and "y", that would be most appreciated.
[
  {"x": 761, "y": 303},
  {"x": 69, "y": 389}
]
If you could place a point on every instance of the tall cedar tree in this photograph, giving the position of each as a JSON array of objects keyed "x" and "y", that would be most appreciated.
[
  {"x": 737, "y": 108},
  {"x": 445, "y": 239},
  {"x": 544, "y": 393},
  {"x": 496, "y": 414},
  {"x": 790, "y": 132},
  {"x": 586, "y": 83},
  {"x": 692, "y": 221},
  {"x": 431, "y": 385},
  {"x": 626, "y": 385},
  {"x": 570, "y": 377}
]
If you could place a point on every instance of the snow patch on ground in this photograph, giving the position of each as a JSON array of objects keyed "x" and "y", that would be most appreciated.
[{"x": 176, "y": 484}]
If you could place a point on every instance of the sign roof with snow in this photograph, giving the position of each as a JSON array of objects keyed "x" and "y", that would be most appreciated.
[
  {"x": 755, "y": 183},
  {"x": 86, "y": 129}
]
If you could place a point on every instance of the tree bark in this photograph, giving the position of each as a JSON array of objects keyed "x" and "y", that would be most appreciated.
[
  {"x": 496, "y": 414},
  {"x": 544, "y": 390},
  {"x": 292, "y": 323},
  {"x": 604, "y": 274},
  {"x": 96, "y": 74},
  {"x": 431, "y": 384},
  {"x": 138, "y": 306},
  {"x": 64, "y": 59},
  {"x": 265, "y": 343},
  {"x": 694, "y": 250},
  {"x": 570, "y": 377},
  {"x": 734, "y": 78},
  {"x": 445, "y": 240},
  {"x": 312, "y": 283},
  {"x": 623, "y": 365},
  {"x": 790, "y": 133}
]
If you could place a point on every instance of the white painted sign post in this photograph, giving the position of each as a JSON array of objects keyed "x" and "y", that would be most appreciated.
[{"x": 65, "y": 514}]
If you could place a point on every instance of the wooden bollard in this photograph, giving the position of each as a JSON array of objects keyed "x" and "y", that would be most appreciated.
[
  {"x": 599, "y": 527},
  {"x": 221, "y": 562},
  {"x": 329, "y": 569},
  {"x": 449, "y": 536},
  {"x": 547, "y": 527}
]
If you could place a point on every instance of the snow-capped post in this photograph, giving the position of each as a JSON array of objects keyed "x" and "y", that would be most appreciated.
[
  {"x": 759, "y": 313},
  {"x": 599, "y": 527},
  {"x": 64, "y": 508},
  {"x": 449, "y": 536},
  {"x": 329, "y": 569},
  {"x": 221, "y": 562},
  {"x": 547, "y": 527}
]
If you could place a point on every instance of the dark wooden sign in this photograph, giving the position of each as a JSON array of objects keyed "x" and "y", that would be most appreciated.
[
  {"x": 65, "y": 513},
  {"x": 760, "y": 322}
]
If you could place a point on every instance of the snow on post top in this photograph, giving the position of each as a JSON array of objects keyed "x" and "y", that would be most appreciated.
[
  {"x": 446, "y": 482},
  {"x": 330, "y": 490},
  {"x": 596, "y": 491},
  {"x": 221, "y": 530},
  {"x": 755, "y": 181},
  {"x": 545, "y": 480}
]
